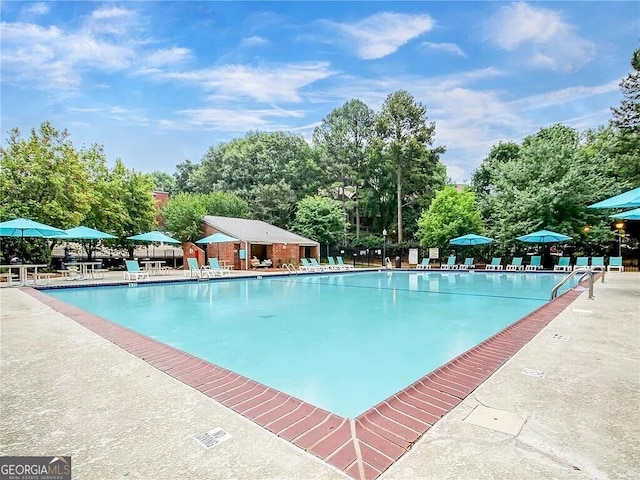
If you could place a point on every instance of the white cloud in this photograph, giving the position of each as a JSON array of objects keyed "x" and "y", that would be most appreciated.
[
  {"x": 383, "y": 33},
  {"x": 444, "y": 47},
  {"x": 58, "y": 59},
  {"x": 253, "y": 41},
  {"x": 111, "y": 12},
  {"x": 540, "y": 36},
  {"x": 167, "y": 56},
  {"x": 232, "y": 120},
  {"x": 39, "y": 8},
  {"x": 266, "y": 84},
  {"x": 565, "y": 95}
]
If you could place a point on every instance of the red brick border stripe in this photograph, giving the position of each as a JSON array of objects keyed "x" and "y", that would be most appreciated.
[{"x": 363, "y": 447}]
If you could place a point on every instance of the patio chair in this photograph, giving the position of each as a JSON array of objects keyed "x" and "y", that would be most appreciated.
[
  {"x": 468, "y": 263},
  {"x": 564, "y": 265},
  {"x": 214, "y": 268},
  {"x": 133, "y": 271},
  {"x": 343, "y": 265},
  {"x": 597, "y": 263},
  {"x": 581, "y": 262},
  {"x": 496, "y": 264},
  {"x": 332, "y": 264},
  {"x": 306, "y": 266},
  {"x": 424, "y": 264},
  {"x": 451, "y": 263},
  {"x": 615, "y": 263},
  {"x": 516, "y": 264},
  {"x": 535, "y": 264},
  {"x": 317, "y": 266},
  {"x": 193, "y": 270}
]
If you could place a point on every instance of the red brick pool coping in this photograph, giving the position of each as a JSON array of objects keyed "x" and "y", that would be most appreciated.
[{"x": 363, "y": 447}]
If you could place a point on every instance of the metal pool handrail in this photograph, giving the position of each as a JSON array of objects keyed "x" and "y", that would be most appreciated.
[{"x": 587, "y": 272}]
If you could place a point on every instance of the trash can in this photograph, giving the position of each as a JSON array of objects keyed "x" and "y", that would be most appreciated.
[{"x": 398, "y": 262}]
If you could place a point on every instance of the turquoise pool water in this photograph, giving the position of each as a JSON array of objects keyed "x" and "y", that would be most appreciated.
[{"x": 343, "y": 342}]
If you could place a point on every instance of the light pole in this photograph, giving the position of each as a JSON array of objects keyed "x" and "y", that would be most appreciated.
[
  {"x": 620, "y": 229},
  {"x": 384, "y": 246}
]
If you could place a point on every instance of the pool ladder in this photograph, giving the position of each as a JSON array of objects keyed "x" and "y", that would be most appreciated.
[
  {"x": 586, "y": 272},
  {"x": 290, "y": 268}
]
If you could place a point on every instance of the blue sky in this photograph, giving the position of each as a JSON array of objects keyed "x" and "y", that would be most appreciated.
[{"x": 158, "y": 83}]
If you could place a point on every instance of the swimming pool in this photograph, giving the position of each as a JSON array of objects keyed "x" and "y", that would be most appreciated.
[{"x": 343, "y": 342}]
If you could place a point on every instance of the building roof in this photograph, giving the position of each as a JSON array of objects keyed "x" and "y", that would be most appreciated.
[{"x": 256, "y": 231}]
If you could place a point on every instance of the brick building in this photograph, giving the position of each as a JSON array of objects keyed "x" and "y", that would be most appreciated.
[{"x": 256, "y": 239}]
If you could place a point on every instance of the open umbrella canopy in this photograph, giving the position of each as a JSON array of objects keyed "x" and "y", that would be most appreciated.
[
  {"x": 627, "y": 199},
  {"x": 154, "y": 236},
  {"x": 23, "y": 227},
  {"x": 83, "y": 233},
  {"x": 628, "y": 215},
  {"x": 217, "y": 238},
  {"x": 544, "y": 236},
  {"x": 471, "y": 239}
]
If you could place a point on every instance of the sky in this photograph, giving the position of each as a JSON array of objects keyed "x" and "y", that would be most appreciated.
[{"x": 158, "y": 83}]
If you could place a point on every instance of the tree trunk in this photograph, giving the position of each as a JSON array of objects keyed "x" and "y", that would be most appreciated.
[
  {"x": 399, "y": 198},
  {"x": 357, "y": 214}
]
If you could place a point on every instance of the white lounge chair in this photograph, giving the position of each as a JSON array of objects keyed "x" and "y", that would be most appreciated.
[
  {"x": 468, "y": 263},
  {"x": 536, "y": 263},
  {"x": 564, "y": 265},
  {"x": 133, "y": 271},
  {"x": 496, "y": 264},
  {"x": 615, "y": 263},
  {"x": 193, "y": 270},
  {"x": 214, "y": 268},
  {"x": 451, "y": 263},
  {"x": 425, "y": 264},
  {"x": 343, "y": 265},
  {"x": 581, "y": 262},
  {"x": 516, "y": 264}
]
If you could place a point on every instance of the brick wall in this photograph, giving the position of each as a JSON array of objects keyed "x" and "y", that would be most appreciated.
[{"x": 284, "y": 253}]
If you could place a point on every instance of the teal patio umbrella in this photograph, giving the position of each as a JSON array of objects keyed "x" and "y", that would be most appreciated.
[
  {"x": 90, "y": 235},
  {"x": 624, "y": 200},
  {"x": 154, "y": 236},
  {"x": 23, "y": 227},
  {"x": 471, "y": 239},
  {"x": 544, "y": 236},
  {"x": 628, "y": 215},
  {"x": 217, "y": 238},
  {"x": 85, "y": 233}
]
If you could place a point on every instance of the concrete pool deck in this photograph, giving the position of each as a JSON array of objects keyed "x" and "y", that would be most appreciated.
[{"x": 66, "y": 390}]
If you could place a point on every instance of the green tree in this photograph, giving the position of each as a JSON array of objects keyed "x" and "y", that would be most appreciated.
[
  {"x": 320, "y": 219},
  {"x": 245, "y": 166},
  {"x": 547, "y": 182},
  {"x": 405, "y": 139},
  {"x": 183, "y": 215},
  {"x": 451, "y": 214},
  {"x": 134, "y": 192},
  {"x": 164, "y": 182},
  {"x": 43, "y": 178},
  {"x": 225, "y": 204},
  {"x": 344, "y": 138},
  {"x": 626, "y": 117}
]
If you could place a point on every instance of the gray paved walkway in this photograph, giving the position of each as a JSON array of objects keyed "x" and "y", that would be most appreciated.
[{"x": 65, "y": 390}]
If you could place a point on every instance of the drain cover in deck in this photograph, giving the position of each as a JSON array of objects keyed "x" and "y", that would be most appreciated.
[
  {"x": 213, "y": 437},
  {"x": 499, "y": 420}
]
